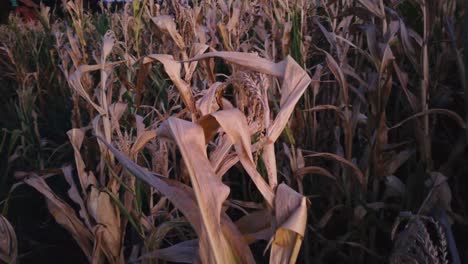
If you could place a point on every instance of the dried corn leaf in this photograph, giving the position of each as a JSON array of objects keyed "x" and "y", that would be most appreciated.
[
  {"x": 291, "y": 217},
  {"x": 373, "y": 7},
  {"x": 63, "y": 214},
  {"x": 141, "y": 141},
  {"x": 76, "y": 137},
  {"x": 167, "y": 24},
  {"x": 173, "y": 68},
  {"x": 74, "y": 194},
  {"x": 106, "y": 214},
  {"x": 209, "y": 189},
  {"x": 248, "y": 60},
  {"x": 235, "y": 125},
  {"x": 207, "y": 103},
  {"x": 74, "y": 80},
  {"x": 8, "y": 242},
  {"x": 108, "y": 44},
  {"x": 301, "y": 172},
  {"x": 295, "y": 81},
  {"x": 339, "y": 75},
  {"x": 357, "y": 172},
  {"x": 184, "y": 199},
  {"x": 98, "y": 233},
  {"x": 195, "y": 50},
  {"x": 256, "y": 226},
  {"x": 116, "y": 111}
]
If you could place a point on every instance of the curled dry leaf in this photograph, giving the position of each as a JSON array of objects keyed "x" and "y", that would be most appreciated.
[
  {"x": 394, "y": 187},
  {"x": 250, "y": 61},
  {"x": 291, "y": 217},
  {"x": 116, "y": 111},
  {"x": 440, "y": 194},
  {"x": 76, "y": 137},
  {"x": 295, "y": 81},
  {"x": 74, "y": 80},
  {"x": 207, "y": 104},
  {"x": 234, "y": 123},
  {"x": 8, "y": 242}
]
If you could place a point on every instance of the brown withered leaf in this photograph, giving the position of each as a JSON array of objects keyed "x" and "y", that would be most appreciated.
[
  {"x": 357, "y": 172},
  {"x": 141, "y": 141},
  {"x": 166, "y": 24},
  {"x": 185, "y": 200},
  {"x": 234, "y": 123},
  {"x": 74, "y": 80},
  {"x": 207, "y": 104},
  {"x": 195, "y": 50},
  {"x": 116, "y": 111},
  {"x": 339, "y": 75},
  {"x": 295, "y": 81},
  {"x": 209, "y": 189},
  {"x": 74, "y": 194},
  {"x": 107, "y": 44},
  {"x": 173, "y": 68}
]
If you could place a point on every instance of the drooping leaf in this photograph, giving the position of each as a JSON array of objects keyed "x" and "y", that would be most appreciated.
[
  {"x": 8, "y": 242},
  {"x": 63, "y": 214},
  {"x": 185, "y": 200}
]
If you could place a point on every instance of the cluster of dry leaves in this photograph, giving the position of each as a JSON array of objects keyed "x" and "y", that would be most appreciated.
[{"x": 231, "y": 91}]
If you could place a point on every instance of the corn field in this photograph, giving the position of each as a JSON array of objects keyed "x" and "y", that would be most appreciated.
[{"x": 234, "y": 131}]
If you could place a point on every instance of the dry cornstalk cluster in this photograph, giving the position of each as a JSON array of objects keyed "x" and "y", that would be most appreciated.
[{"x": 194, "y": 125}]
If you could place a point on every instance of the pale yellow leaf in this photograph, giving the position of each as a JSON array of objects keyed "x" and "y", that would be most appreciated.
[{"x": 209, "y": 190}]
